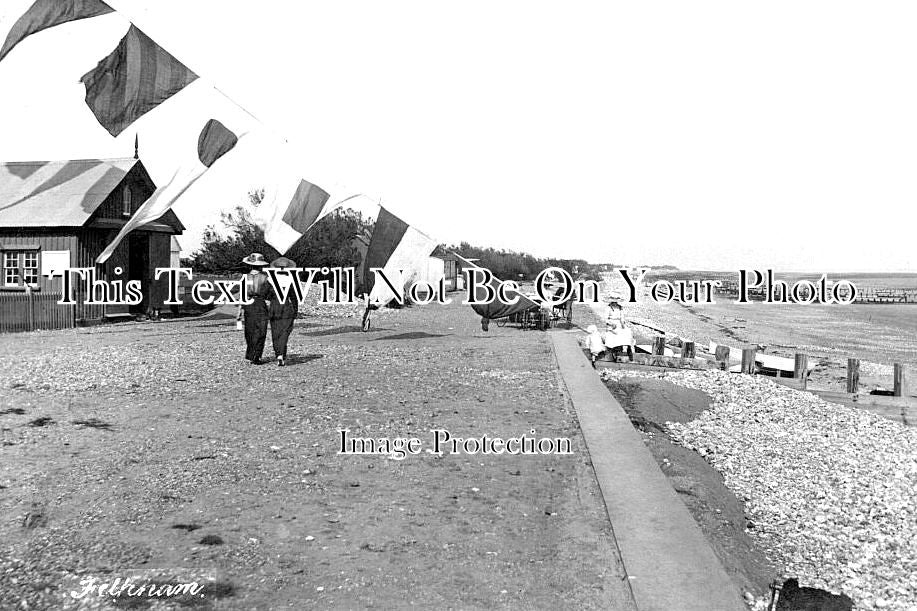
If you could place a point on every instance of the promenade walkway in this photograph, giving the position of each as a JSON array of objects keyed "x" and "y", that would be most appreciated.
[{"x": 668, "y": 561}]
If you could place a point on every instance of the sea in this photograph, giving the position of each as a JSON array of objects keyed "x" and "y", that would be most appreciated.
[{"x": 881, "y": 333}]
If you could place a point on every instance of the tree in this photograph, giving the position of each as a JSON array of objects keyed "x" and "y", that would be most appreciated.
[
  {"x": 511, "y": 265},
  {"x": 327, "y": 243},
  {"x": 330, "y": 242}
]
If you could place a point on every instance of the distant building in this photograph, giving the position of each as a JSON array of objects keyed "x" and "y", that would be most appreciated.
[
  {"x": 452, "y": 270},
  {"x": 57, "y": 214},
  {"x": 434, "y": 272}
]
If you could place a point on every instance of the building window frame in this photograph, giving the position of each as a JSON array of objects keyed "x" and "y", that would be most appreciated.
[
  {"x": 20, "y": 268},
  {"x": 127, "y": 201}
]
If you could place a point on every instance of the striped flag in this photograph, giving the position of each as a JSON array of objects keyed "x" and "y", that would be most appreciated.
[
  {"x": 394, "y": 247},
  {"x": 46, "y": 14},
  {"x": 214, "y": 142},
  {"x": 289, "y": 209},
  {"x": 292, "y": 205},
  {"x": 135, "y": 78}
]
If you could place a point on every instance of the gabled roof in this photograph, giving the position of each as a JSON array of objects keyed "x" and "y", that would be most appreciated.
[{"x": 57, "y": 193}]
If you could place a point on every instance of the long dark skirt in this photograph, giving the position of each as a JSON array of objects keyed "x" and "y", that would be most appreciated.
[
  {"x": 256, "y": 318},
  {"x": 280, "y": 334}
]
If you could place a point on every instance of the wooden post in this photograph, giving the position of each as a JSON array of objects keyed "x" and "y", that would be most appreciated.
[
  {"x": 722, "y": 353},
  {"x": 801, "y": 369},
  {"x": 853, "y": 375},
  {"x": 900, "y": 381},
  {"x": 659, "y": 346},
  {"x": 687, "y": 350},
  {"x": 748, "y": 360},
  {"x": 30, "y": 297}
]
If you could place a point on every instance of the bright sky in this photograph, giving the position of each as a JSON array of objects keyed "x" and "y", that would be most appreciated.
[{"x": 701, "y": 134}]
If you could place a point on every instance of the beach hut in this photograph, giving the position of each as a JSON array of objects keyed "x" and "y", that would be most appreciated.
[
  {"x": 451, "y": 269},
  {"x": 433, "y": 273},
  {"x": 59, "y": 214}
]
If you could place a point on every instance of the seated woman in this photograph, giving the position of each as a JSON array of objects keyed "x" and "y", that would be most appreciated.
[
  {"x": 615, "y": 313},
  {"x": 618, "y": 338}
]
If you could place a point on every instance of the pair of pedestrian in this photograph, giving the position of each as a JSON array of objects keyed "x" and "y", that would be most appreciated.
[{"x": 268, "y": 307}]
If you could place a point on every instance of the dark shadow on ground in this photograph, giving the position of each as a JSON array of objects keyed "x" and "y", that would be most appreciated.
[
  {"x": 211, "y": 314},
  {"x": 299, "y": 359},
  {"x": 298, "y": 323},
  {"x": 225, "y": 329},
  {"x": 230, "y": 323},
  {"x": 223, "y": 324},
  {"x": 412, "y": 335},
  {"x": 342, "y": 330}
]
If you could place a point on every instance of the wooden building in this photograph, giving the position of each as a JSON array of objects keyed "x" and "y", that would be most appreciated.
[
  {"x": 56, "y": 214},
  {"x": 452, "y": 270}
]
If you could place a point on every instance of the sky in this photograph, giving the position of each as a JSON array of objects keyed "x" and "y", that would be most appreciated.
[{"x": 706, "y": 135}]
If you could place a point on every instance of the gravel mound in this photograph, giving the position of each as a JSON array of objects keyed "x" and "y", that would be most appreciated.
[{"x": 829, "y": 489}]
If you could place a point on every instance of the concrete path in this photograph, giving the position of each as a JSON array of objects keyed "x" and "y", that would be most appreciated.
[{"x": 669, "y": 562}]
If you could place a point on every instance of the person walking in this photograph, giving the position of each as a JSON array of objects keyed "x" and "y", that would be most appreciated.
[
  {"x": 255, "y": 314},
  {"x": 283, "y": 311},
  {"x": 367, "y": 319},
  {"x": 594, "y": 343}
]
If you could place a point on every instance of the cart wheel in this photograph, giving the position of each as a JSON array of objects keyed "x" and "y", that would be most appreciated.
[{"x": 501, "y": 322}]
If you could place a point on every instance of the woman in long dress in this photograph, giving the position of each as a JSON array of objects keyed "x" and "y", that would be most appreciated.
[
  {"x": 283, "y": 314},
  {"x": 255, "y": 314},
  {"x": 617, "y": 335}
]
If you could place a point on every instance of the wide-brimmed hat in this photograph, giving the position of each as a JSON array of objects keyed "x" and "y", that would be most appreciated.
[
  {"x": 256, "y": 258},
  {"x": 283, "y": 262}
]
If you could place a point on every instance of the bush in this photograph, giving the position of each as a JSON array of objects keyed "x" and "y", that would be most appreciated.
[
  {"x": 327, "y": 244},
  {"x": 511, "y": 265}
]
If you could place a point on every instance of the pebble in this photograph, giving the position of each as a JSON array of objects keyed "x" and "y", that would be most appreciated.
[{"x": 828, "y": 488}]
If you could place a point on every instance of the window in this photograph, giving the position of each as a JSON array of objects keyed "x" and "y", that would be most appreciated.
[
  {"x": 126, "y": 201},
  {"x": 20, "y": 267},
  {"x": 11, "y": 275},
  {"x": 30, "y": 267}
]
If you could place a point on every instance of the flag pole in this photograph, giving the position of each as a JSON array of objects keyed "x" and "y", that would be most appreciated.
[
  {"x": 236, "y": 104},
  {"x": 245, "y": 110}
]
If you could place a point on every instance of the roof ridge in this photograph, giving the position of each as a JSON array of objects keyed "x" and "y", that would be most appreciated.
[
  {"x": 59, "y": 194},
  {"x": 45, "y": 161}
]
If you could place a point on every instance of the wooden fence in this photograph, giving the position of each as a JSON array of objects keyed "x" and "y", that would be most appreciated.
[
  {"x": 30, "y": 311},
  {"x": 897, "y": 404},
  {"x": 872, "y": 295},
  {"x": 876, "y": 295}
]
